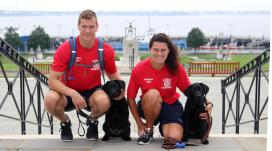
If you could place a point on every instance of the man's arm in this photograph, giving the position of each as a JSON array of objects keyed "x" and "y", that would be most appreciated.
[
  {"x": 115, "y": 76},
  {"x": 56, "y": 85}
]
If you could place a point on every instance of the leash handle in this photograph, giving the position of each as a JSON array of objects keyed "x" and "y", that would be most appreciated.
[{"x": 80, "y": 125}]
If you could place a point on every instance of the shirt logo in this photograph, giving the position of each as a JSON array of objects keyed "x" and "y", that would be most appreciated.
[
  {"x": 148, "y": 80},
  {"x": 78, "y": 59},
  {"x": 166, "y": 83},
  {"x": 96, "y": 65}
]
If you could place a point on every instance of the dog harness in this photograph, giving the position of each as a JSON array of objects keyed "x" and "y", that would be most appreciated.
[{"x": 73, "y": 55}]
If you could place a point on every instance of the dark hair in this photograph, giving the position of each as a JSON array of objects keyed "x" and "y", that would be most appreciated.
[
  {"x": 173, "y": 56},
  {"x": 87, "y": 14}
]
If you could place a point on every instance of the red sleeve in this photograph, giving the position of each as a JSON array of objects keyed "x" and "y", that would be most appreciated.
[
  {"x": 109, "y": 60},
  {"x": 133, "y": 85},
  {"x": 61, "y": 57},
  {"x": 183, "y": 80}
]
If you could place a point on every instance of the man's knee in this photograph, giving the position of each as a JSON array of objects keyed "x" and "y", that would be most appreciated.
[
  {"x": 100, "y": 100},
  {"x": 52, "y": 99}
]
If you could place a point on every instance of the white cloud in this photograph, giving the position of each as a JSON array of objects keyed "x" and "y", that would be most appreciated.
[{"x": 134, "y": 5}]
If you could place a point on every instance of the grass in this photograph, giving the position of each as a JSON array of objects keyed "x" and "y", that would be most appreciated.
[
  {"x": 185, "y": 59},
  {"x": 7, "y": 64}
]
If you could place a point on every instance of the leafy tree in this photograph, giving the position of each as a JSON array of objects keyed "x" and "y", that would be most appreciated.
[
  {"x": 12, "y": 37},
  {"x": 38, "y": 37},
  {"x": 196, "y": 38}
]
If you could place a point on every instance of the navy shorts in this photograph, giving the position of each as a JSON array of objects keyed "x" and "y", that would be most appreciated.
[
  {"x": 170, "y": 113},
  {"x": 85, "y": 94}
]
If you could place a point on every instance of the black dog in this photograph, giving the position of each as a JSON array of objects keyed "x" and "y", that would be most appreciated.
[
  {"x": 194, "y": 127},
  {"x": 116, "y": 119}
]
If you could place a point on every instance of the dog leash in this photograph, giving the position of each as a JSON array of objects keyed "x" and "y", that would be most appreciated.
[
  {"x": 80, "y": 123},
  {"x": 205, "y": 137}
]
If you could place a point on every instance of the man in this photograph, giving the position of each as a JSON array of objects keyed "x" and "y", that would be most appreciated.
[{"x": 83, "y": 90}]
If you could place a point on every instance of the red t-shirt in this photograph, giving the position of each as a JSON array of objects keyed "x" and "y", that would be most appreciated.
[
  {"x": 84, "y": 78},
  {"x": 145, "y": 77}
]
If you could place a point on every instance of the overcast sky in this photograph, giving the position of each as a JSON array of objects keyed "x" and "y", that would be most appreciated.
[{"x": 135, "y": 5}]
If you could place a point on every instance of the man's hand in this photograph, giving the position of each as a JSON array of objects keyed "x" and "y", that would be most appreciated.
[{"x": 78, "y": 101}]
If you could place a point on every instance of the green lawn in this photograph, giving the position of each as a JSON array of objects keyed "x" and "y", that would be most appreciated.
[
  {"x": 242, "y": 58},
  {"x": 185, "y": 59},
  {"x": 7, "y": 64}
]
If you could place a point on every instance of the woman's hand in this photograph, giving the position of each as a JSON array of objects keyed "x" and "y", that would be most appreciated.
[
  {"x": 208, "y": 109},
  {"x": 141, "y": 129}
]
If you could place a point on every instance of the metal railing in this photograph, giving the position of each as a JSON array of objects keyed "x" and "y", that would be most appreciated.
[
  {"x": 31, "y": 97},
  {"x": 239, "y": 96}
]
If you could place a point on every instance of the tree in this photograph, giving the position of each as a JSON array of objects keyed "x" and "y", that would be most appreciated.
[
  {"x": 13, "y": 38},
  {"x": 38, "y": 37},
  {"x": 196, "y": 38}
]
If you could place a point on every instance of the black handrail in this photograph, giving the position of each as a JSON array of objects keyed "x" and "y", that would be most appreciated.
[
  {"x": 37, "y": 92},
  {"x": 254, "y": 66}
]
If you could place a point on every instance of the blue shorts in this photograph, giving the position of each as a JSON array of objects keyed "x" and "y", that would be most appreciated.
[
  {"x": 170, "y": 113},
  {"x": 85, "y": 94}
]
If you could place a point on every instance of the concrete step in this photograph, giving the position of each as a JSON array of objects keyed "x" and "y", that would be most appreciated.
[{"x": 218, "y": 142}]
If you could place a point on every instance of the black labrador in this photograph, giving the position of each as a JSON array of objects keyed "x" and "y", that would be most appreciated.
[
  {"x": 194, "y": 127},
  {"x": 117, "y": 118}
]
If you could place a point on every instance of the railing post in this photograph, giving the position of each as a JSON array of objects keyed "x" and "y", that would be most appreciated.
[
  {"x": 257, "y": 100},
  {"x": 39, "y": 107},
  {"x": 51, "y": 124},
  {"x": 223, "y": 91},
  {"x": 237, "y": 118},
  {"x": 133, "y": 58},
  {"x": 189, "y": 69},
  {"x": 22, "y": 97},
  {"x": 213, "y": 68}
]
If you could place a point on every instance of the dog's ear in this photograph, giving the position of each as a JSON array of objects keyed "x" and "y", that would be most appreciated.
[
  {"x": 104, "y": 87},
  {"x": 121, "y": 83},
  {"x": 107, "y": 83},
  {"x": 205, "y": 88},
  {"x": 187, "y": 91}
]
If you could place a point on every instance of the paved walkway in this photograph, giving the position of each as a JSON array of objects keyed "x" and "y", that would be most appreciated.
[
  {"x": 10, "y": 138},
  {"x": 52, "y": 143}
]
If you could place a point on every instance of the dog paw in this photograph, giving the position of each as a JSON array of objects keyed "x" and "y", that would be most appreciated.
[
  {"x": 105, "y": 138},
  {"x": 126, "y": 138},
  {"x": 206, "y": 142}
]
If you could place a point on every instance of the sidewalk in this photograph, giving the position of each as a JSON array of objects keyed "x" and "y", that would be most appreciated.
[
  {"x": 10, "y": 130},
  {"x": 52, "y": 142}
]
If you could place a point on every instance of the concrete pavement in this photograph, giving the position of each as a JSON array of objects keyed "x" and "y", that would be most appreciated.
[
  {"x": 51, "y": 142},
  {"x": 10, "y": 130}
]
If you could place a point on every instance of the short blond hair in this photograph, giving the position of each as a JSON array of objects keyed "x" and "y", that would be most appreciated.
[{"x": 87, "y": 14}]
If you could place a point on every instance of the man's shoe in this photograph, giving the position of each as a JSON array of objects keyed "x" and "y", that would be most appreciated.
[
  {"x": 66, "y": 134},
  {"x": 92, "y": 131},
  {"x": 145, "y": 138}
]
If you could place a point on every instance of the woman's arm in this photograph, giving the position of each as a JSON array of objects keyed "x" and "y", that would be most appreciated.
[
  {"x": 204, "y": 115},
  {"x": 133, "y": 108}
]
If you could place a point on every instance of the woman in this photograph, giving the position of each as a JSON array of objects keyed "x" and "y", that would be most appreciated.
[{"x": 158, "y": 77}]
